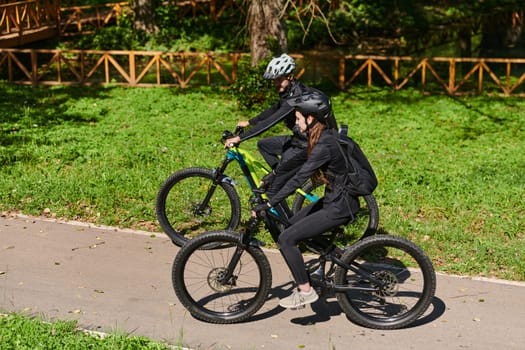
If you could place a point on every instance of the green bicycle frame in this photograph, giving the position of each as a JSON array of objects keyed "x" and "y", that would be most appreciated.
[{"x": 251, "y": 169}]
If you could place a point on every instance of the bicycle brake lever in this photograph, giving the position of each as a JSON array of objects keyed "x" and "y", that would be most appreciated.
[
  {"x": 238, "y": 130},
  {"x": 226, "y": 134}
]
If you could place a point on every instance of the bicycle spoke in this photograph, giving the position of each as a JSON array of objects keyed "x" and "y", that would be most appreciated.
[
  {"x": 203, "y": 280},
  {"x": 393, "y": 284},
  {"x": 185, "y": 212},
  {"x": 402, "y": 286}
]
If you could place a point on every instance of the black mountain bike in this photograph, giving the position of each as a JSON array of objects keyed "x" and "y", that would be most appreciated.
[
  {"x": 195, "y": 200},
  {"x": 381, "y": 281}
]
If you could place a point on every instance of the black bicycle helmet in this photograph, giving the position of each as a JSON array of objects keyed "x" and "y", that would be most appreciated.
[
  {"x": 313, "y": 103},
  {"x": 279, "y": 67}
]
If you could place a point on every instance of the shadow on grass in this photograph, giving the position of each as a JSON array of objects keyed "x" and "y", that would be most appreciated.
[
  {"x": 45, "y": 106},
  {"x": 26, "y": 111}
]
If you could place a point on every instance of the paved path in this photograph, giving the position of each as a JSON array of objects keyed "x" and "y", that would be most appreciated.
[{"x": 111, "y": 279}]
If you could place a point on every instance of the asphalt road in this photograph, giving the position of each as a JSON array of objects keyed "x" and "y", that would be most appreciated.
[{"x": 111, "y": 279}]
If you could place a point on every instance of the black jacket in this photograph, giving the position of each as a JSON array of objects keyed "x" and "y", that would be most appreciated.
[
  {"x": 326, "y": 156},
  {"x": 281, "y": 111}
]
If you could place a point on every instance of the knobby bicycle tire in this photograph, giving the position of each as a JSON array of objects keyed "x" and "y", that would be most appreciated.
[
  {"x": 367, "y": 220},
  {"x": 408, "y": 276},
  {"x": 180, "y": 197},
  {"x": 197, "y": 272}
]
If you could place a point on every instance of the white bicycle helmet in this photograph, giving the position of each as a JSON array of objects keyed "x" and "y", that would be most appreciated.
[{"x": 279, "y": 67}]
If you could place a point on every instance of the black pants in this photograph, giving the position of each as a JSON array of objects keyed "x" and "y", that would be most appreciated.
[
  {"x": 285, "y": 155},
  {"x": 309, "y": 222}
]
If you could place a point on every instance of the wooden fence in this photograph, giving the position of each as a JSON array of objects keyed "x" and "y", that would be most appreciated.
[
  {"x": 454, "y": 76},
  {"x": 86, "y": 19},
  {"x": 17, "y": 17},
  {"x": 26, "y": 21},
  {"x": 32, "y": 20}
]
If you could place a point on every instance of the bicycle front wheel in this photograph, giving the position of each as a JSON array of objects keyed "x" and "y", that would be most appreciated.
[
  {"x": 391, "y": 284},
  {"x": 367, "y": 218},
  {"x": 226, "y": 284},
  {"x": 190, "y": 203}
]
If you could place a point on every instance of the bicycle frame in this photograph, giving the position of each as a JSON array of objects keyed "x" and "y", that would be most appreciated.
[
  {"x": 248, "y": 164},
  {"x": 251, "y": 168},
  {"x": 326, "y": 253}
]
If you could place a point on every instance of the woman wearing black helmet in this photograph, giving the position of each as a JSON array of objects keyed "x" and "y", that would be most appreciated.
[
  {"x": 326, "y": 164},
  {"x": 284, "y": 154}
]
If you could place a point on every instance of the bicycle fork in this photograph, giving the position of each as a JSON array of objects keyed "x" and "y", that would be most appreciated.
[
  {"x": 228, "y": 278},
  {"x": 218, "y": 177}
]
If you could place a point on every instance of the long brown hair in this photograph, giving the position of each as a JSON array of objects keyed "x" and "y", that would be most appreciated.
[{"x": 313, "y": 137}]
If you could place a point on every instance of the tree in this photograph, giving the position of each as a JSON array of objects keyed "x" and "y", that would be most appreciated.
[
  {"x": 501, "y": 31},
  {"x": 144, "y": 15},
  {"x": 267, "y": 29}
]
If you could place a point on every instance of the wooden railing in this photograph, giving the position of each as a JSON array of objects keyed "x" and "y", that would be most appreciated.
[
  {"x": 27, "y": 21},
  {"x": 17, "y": 17},
  {"x": 454, "y": 76},
  {"x": 85, "y": 19}
]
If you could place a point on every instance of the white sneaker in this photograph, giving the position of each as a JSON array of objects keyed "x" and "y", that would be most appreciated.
[{"x": 299, "y": 299}]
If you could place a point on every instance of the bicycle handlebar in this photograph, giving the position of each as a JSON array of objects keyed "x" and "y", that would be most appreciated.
[
  {"x": 226, "y": 134},
  {"x": 238, "y": 130}
]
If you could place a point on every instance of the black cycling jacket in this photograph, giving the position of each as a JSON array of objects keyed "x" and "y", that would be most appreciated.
[
  {"x": 281, "y": 111},
  {"x": 327, "y": 156}
]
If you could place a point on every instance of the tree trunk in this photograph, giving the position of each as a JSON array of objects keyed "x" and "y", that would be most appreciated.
[
  {"x": 465, "y": 48},
  {"x": 267, "y": 30},
  {"x": 144, "y": 19},
  {"x": 501, "y": 32}
]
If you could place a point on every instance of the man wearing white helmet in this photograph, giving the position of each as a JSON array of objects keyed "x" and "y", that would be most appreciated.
[{"x": 284, "y": 154}]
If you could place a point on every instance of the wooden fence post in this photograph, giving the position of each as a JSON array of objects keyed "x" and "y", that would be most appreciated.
[
  {"x": 342, "y": 72},
  {"x": 480, "y": 76},
  {"x": 452, "y": 76},
  {"x": 106, "y": 67},
  {"x": 132, "y": 73},
  {"x": 507, "y": 79},
  {"x": 34, "y": 68},
  {"x": 369, "y": 71},
  {"x": 423, "y": 74},
  {"x": 396, "y": 73}
]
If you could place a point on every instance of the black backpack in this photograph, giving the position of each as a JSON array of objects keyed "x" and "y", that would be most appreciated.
[{"x": 363, "y": 180}]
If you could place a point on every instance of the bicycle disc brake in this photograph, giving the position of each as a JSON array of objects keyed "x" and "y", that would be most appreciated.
[
  {"x": 198, "y": 211},
  {"x": 389, "y": 287},
  {"x": 216, "y": 280}
]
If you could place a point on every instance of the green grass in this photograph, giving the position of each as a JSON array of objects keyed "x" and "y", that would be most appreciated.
[
  {"x": 450, "y": 169},
  {"x": 20, "y": 333}
]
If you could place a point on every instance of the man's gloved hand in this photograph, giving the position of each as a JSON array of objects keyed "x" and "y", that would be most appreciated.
[
  {"x": 267, "y": 180},
  {"x": 261, "y": 207},
  {"x": 231, "y": 142}
]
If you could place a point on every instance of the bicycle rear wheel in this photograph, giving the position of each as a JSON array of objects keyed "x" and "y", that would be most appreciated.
[
  {"x": 189, "y": 203},
  {"x": 198, "y": 277},
  {"x": 367, "y": 218},
  {"x": 405, "y": 282}
]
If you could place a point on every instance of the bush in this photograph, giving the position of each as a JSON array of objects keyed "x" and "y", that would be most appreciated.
[
  {"x": 120, "y": 37},
  {"x": 251, "y": 90}
]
